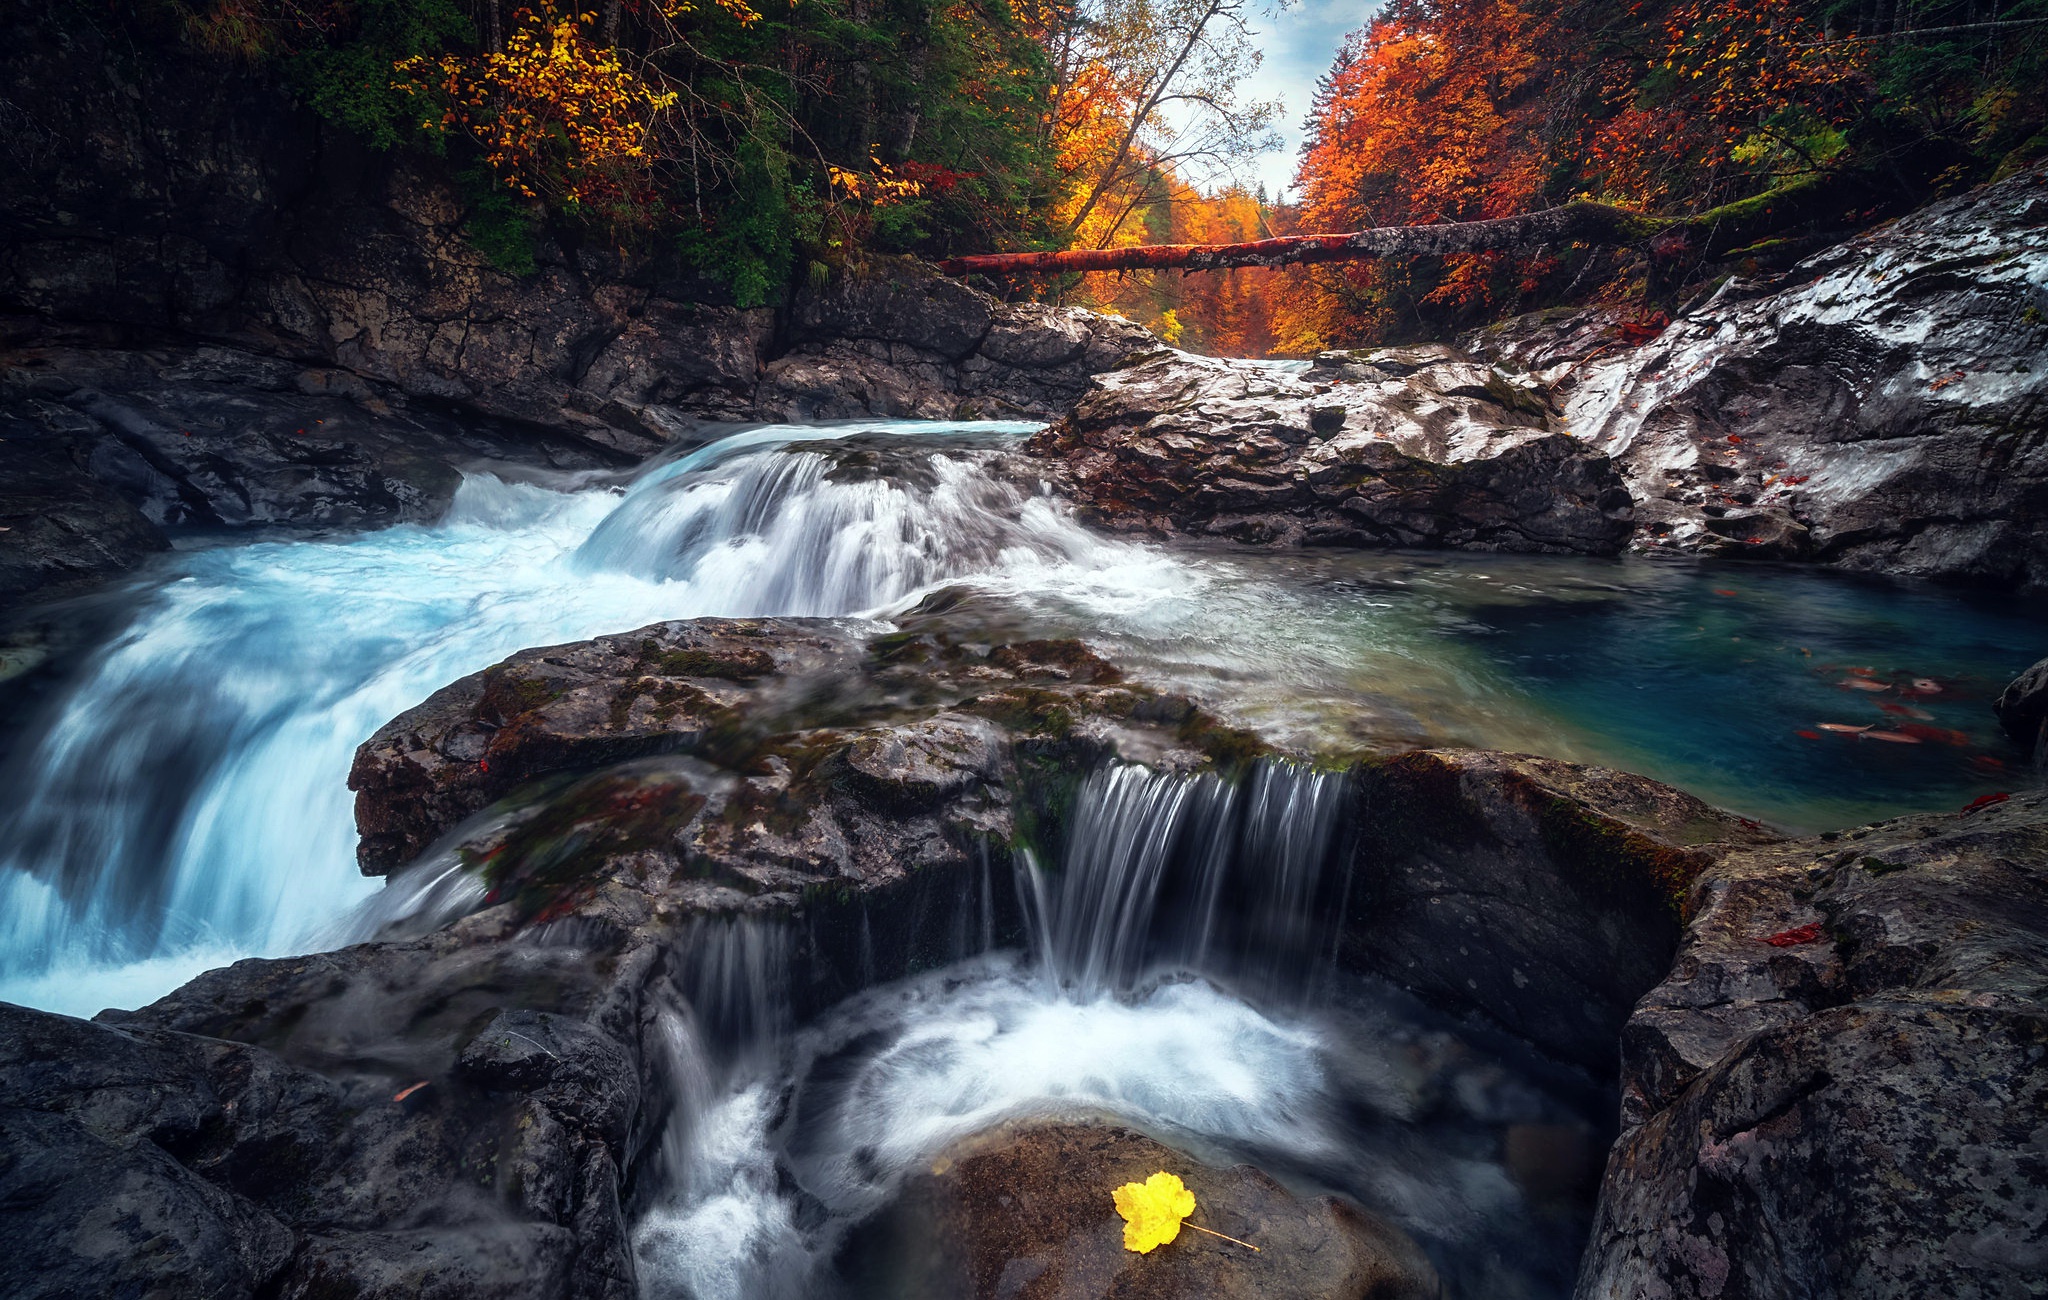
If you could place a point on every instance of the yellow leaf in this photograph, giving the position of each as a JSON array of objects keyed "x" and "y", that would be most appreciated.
[{"x": 1153, "y": 1210}]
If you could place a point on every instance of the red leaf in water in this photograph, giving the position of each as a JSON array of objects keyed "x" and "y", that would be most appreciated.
[
  {"x": 1723, "y": 591},
  {"x": 1939, "y": 735},
  {"x": 410, "y": 1091},
  {"x": 1810, "y": 735},
  {"x": 1861, "y": 672},
  {"x": 1982, "y": 802},
  {"x": 1988, "y": 763},
  {"x": 1907, "y": 711},
  {"x": 1807, "y": 933}
]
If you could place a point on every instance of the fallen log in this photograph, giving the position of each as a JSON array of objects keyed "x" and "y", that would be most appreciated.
[{"x": 1584, "y": 222}]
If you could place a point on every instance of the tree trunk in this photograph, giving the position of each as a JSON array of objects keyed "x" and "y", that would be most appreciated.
[{"x": 1582, "y": 223}]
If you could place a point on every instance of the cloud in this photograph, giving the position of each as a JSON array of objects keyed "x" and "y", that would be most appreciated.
[{"x": 1299, "y": 43}]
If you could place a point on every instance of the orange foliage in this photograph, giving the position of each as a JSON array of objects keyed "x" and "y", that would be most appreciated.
[
  {"x": 1223, "y": 313},
  {"x": 1447, "y": 110}
]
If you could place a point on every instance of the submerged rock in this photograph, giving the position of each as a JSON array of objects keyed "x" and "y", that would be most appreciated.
[
  {"x": 1025, "y": 1212},
  {"x": 1839, "y": 1089},
  {"x": 1394, "y": 447}
]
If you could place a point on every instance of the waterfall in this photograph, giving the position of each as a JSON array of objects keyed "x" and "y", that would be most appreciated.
[
  {"x": 1168, "y": 873},
  {"x": 185, "y": 804}
]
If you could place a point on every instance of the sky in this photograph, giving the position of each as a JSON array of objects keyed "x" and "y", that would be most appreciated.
[{"x": 1299, "y": 43}]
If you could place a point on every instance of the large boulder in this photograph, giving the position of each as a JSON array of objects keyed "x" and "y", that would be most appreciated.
[
  {"x": 1882, "y": 407},
  {"x": 1838, "y": 1091},
  {"x": 1024, "y": 1212},
  {"x": 1394, "y": 447}
]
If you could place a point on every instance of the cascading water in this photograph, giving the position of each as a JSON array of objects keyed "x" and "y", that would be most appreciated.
[
  {"x": 1169, "y": 874},
  {"x": 1172, "y": 896},
  {"x": 187, "y": 804}
]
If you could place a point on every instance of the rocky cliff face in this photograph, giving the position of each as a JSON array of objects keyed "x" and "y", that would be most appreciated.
[
  {"x": 196, "y": 269},
  {"x": 1882, "y": 407},
  {"x": 1838, "y": 1090},
  {"x": 186, "y": 199}
]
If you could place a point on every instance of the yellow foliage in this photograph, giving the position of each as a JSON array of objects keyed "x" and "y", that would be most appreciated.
[
  {"x": 554, "y": 101},
  {"x": 880, "y": 187},
  {"x": 1153, "y": 1210}
]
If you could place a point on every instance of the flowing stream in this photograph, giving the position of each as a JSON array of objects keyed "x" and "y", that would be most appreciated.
[
  {"x": 183, "y": 804},
  {"x": 1176, "y": 979}
]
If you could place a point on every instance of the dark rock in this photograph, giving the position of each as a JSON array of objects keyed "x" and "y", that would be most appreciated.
[
  {"x": 216, "y": 437},
  {"x": 1543, "y": 894},
  {"x": 64, "y": 531},
  {"x": 1413, "y": 446},
  {"x": 899, "y": 301},
  {"x": 1838, "y": 1089},
  {"x": 1879, "y": 407},
  {"x": 1546, "y": 344},
  {"x": 2022, "y": 709},
  {"x": 115, "y": 1219},
  {"x": 903, "y": 341},
  {"x": 1025, "y": 1211},
  {"x": 144, "y": 1160}
]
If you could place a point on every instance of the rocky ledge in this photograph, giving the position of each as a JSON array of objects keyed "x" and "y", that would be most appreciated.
[
  {"x": 1881, "y": 407},
  {"x": 1417, "y": 446}
]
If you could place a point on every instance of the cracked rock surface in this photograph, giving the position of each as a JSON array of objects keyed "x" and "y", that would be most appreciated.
[
  {"x": 1840, "y": 1089},
  {"x": 1415, "y": 446},
  {"x": 1882, "y": 407}
]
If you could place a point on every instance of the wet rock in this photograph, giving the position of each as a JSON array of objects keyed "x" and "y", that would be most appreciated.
[
  {"x": 1877, "y": 408},
  {"x": 921, "y": 764},
  {"x": 904, "y": 341},
  {"x": 1838, "y": 1090},
  {"x": 2022, "y": 709},
  {"x": 1543, "y": 894},
  {"x": 214, "y": 437},
  {"x": 1025, "y": 1211},
  {"x": 61, "y": 530},
  {"x": 659, "y": 690},
  {"x": 1417, "y": 446}
]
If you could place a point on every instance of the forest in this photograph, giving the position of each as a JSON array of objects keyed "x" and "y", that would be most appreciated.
[{"x": 781, "y": 145}]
